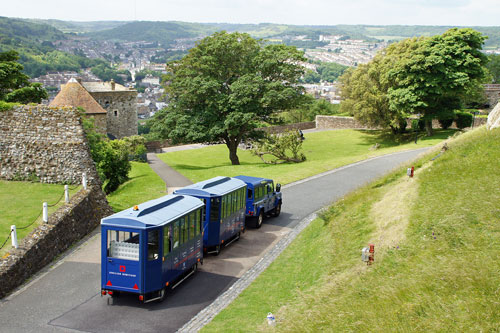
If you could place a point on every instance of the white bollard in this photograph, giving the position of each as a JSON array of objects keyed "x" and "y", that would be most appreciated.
[
  {"x": 66, "y": 193},
  {"x": 84, "y": 180},
  {"x": 13, "y": 235},
  {"x": 45, "y": 214}
]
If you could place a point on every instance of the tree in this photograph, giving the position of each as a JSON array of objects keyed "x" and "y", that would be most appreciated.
[
  {"x": 493, "y": 66},
  {"x": 365, "y": 88},
  {"x": 14, "y": 84},
  {"x": 430, "y": 76},
  {"x": 437, "y": 73},
  {"x": 225, "y": 85}
]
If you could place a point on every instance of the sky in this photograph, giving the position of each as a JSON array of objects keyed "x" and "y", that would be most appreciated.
[{"x": 293, "y": 12}]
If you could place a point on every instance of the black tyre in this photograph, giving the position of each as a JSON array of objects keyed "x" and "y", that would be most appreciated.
[
  {"x": 217, "y": 250},
  {"x": 260, "y": 219},
  {"x": 277, "y": 210}
]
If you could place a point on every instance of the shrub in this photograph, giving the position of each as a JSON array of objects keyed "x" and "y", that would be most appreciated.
[
  {"x": 136, "y": 148},
  {"x": 111, "y": 157},
  {"x": 463, "y": 120},
  {"x": 445, "y": 123},
  {"x": 417, "y": 124}
]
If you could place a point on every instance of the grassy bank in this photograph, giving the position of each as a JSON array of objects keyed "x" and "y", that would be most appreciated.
[
  {"x": 324, "y": 151},
  {"x": 144, "y": 184},
  {"x": 22, "y": 204},
  {"x": 436, "y": 238}
]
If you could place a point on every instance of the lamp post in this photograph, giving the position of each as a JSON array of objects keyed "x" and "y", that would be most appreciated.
[{"x": 474, "y": 119}]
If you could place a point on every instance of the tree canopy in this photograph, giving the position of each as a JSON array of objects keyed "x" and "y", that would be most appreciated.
[
  {"x": 429, "y": 76},
  {"x": 225, "y": 86},
  {"x": 14, "y": 84}
]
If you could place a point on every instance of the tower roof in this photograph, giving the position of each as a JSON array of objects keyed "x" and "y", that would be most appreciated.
[{"x": 74, "y": 94}]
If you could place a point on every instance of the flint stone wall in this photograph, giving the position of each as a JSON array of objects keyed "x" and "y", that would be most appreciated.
[
  {"x": 336, "y": 122},
  {"x": 47, "y": 143},
  {"x": 67, "y": 225}
]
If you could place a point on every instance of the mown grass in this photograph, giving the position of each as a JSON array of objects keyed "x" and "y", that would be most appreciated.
[
  {"x": 439, "y": 273},
  {"x": 144, "y": 184},
  {"x": 22, "y": 203},
  {"x": 324, "y": 151}
]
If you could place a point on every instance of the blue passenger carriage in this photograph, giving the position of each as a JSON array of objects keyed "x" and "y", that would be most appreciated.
[
  {"x": 224, "y": 220},
  {"x": 262, "y": 198},
  {"x": 152, "y": 246}
]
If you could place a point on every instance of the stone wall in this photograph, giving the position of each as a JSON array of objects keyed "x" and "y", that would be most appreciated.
[
  {"x": 66, "y": 226},
  {"x": 121, "y": 107},
  {"x": 284, "y": 128},
  {"x": 47, "y": 143},
  {"x": 336, "y": 122}
]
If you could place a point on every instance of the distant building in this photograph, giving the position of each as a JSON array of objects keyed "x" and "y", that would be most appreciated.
[{"x": 118, "y": 103}]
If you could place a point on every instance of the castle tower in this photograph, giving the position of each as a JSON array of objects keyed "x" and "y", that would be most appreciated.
[
  {"x": 74, "y": 94},
  {"x": 120, "y": 104}
]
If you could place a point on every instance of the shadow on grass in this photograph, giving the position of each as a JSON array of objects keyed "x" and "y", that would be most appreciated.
[{"x": 386, "y": 139}]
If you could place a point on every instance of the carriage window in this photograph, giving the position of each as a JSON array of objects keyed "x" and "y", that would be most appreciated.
[
  {"x": 235, "y": 201},
  {"x": 184, "y": 230},
  {"x": 166, "y": 240},
  {"x": 153, "y": 244},
  {"x": 214, "y": 209},
  {"x": 197, "y": 227},
  {"x": 250, "y": 193},
  {"x": 123, "y": 245},
  {"x": 176, "y": 234},
  {"x": 191, "y": 225},
  {"x": 203, "y": 210},
  {"x": 229, "y": 204}
]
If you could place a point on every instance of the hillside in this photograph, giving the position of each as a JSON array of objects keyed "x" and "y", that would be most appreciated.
[{"x": 435, "y": 238}]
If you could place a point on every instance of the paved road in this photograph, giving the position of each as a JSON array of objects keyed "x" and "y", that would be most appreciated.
[{"x": 66, "y": 298}]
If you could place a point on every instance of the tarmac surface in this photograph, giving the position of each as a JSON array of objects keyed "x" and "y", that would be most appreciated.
[{"x": 66, "y": 296}]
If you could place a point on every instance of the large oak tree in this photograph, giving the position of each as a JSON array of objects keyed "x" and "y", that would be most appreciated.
[{"x": 225, "y": 86}]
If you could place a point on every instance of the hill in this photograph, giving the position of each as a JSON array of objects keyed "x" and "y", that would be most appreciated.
[
  {"x": 166, "y": 32},
  {"x": 434, "y": 237}
]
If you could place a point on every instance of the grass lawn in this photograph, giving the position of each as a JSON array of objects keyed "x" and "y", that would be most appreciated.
[
  {"x": 436, "y": 238},
  {"x": 144, "y": 185},
  {"x": 325, "y": 151},
  {"x": 22, "y": 203}
]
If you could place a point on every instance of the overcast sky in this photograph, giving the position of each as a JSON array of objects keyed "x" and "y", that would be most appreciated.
[{"x": 298, "y": 12}]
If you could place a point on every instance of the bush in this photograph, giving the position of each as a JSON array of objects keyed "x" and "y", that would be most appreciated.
[
  {"x": 418, "y": 124},
  {"x": 111, "y": 157},
  {"x": 463, "y": 120},
  {"x": 445, "y": 123},
  {"x": 136, "y": 148}
]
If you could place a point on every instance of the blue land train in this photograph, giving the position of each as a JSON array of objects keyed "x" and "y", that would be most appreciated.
[
  {"x": 262, "y": 199},
  {"x": 224, "y": 200},
  {"x": 151, "y": 247}
]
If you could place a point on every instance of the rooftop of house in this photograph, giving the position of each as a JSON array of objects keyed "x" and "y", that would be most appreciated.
[
  {"x": 74, "y": 94},
  {"x": 104, "y": 87}
]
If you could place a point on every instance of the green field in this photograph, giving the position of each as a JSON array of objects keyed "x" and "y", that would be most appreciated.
[
  {"x": 325, "y": 151},
  {"x": 22, "y": 203},
  {"x": 436, "y": 238}
]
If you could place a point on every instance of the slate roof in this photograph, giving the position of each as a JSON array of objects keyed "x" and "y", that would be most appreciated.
[{"x": 74, "y": 94}]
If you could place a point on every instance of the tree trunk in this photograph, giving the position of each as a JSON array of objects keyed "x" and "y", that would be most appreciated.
[
  {"x": 232, "y": 145},
  {"x": 428, "y": 127}
]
